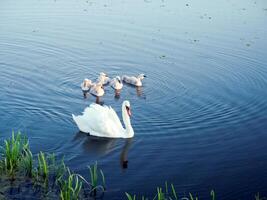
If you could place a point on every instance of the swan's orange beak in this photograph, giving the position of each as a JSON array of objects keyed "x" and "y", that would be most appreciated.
[{"x": 129, "y": 111}]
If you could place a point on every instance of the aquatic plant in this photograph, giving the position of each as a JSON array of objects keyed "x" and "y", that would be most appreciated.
[
  {"x": 192, "y": 197},
  {"x": 212, "y": 194},
  {"x": 60, "y": 170},
  {"x": 160, "y": 194},
  {"x": 257, "y": 197},
  {"x": 13, "y": 152},
  {"x": 94, "y": 178},
  {"x": 26, "y": 164},
  {"x": 42, "y": 169},
  {"x": 174, "y": 192},
  {"x": 71, "y": 187},
  {"x": 129, "y": 197}
]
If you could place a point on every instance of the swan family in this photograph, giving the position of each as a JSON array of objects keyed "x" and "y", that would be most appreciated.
[
  {"x": 97, "y": 88},
  {"x": 103, "y": 121}
]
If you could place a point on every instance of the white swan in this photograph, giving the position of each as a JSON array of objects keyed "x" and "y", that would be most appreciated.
[
  {"x": 102, "y": 121},
  {"x": 97, "y": 89},
  {"x": 86, "y": 84},
  {"x": 137, "y": 81},
  {"x": 116, "y": 83},
  {"x": 103, "y": 78}
]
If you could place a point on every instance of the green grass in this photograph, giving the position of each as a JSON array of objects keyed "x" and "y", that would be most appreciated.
[
  {"x": 95, "y": 183},
  {"x": 169, "y": 194},
  {"x": 258, "y": 197},
  {"x": 45, "y": 173},
  {"x": 70, "y": 188},
  {"x": 130, "y": 197},
  {"x": 26, "y": 163},
  {"x": 42, "y": 169},
  {"x": 12, "y": 153}
]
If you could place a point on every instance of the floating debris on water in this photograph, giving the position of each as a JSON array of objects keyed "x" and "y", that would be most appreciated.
[
  {"x": 248, "y": 45},
  {"x": 162, "y": 56},
  {"x": 187, "y": 4}
]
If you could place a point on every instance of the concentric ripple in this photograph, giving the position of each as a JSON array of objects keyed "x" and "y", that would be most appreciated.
[{"x": 201, "y": 112}]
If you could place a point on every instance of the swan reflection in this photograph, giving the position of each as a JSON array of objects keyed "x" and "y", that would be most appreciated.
[
  {"x": 102, "y": 146},
  {"x": 139, "y": 91},
  {"x": 98, "y": 101},
  {"x": 124, "y": 153},
  {"x": 117, "y": 94},
  {"x": 85, "y": 95}
]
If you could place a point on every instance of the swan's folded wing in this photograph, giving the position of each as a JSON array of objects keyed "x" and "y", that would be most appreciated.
[
  {"x": 115, "y": 119},
  {"x": 102, "y": 120}
]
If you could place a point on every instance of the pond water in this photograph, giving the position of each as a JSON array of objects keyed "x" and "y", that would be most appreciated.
[{"x": 200, "y": 119}]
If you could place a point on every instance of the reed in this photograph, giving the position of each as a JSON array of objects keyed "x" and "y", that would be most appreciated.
[
  {"x": 212, "y": 194},
  {"x": 26, "y": 164},
  {"x": 160, "y": 194},
  {"x": 60, "y": 170},
  {"x": 258, "y": 197},
  {"x": 94, "y": 173},
  {"x": 71, "y": 187},
  {"x": 192, "y": 197},
  {"x": 129, "y": 197},
  {"x": 12, "y": 153},
  {"x": 42, "y": 169},
  {"x": 174, "y": 194}
]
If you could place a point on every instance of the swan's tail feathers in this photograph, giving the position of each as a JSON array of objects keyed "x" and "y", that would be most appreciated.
[
  {"x": 81, "y": 123},
  {"x": 74, "y": 117}
]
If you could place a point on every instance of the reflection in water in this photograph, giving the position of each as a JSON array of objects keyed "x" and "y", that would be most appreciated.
[
  {"x": 95, "y": 145},
  {"x": 139, "y": 91},
  {"x": 98, "y": 101},
  {"x": 117, "y": 94},
  {"x": 85, "y": 95},
  {"x": 101, "y": 146},
  {"x": 124, "y": 153}
]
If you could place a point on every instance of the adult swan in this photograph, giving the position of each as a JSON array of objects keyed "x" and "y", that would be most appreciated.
[{"x": 103, "y": 121}]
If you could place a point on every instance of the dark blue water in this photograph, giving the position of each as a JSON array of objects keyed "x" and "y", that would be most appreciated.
[{"x": 200, "y": 119}]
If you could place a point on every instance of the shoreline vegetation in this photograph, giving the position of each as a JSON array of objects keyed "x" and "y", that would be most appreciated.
[{"x": 42, "y": 176}]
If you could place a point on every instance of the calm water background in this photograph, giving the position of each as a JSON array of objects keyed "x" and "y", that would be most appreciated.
[{"x": 200, "y": 120}]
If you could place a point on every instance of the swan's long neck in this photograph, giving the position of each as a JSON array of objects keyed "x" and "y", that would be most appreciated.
[{"x": 127, "y": 122}]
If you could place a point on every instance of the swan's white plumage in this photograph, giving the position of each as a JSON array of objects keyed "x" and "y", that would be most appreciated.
[
  {"x": 137, "y": 81},
  {"x": 97, "y": 90},
  {"x": 116, "y": 83},
  {"x": 103, "y": 78},
  {"x": 86, "y": 84},
  {"x": 102, "y": 121}
]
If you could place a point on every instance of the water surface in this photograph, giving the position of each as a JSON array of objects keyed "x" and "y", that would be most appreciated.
[{"x": 200, "y": 119}]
